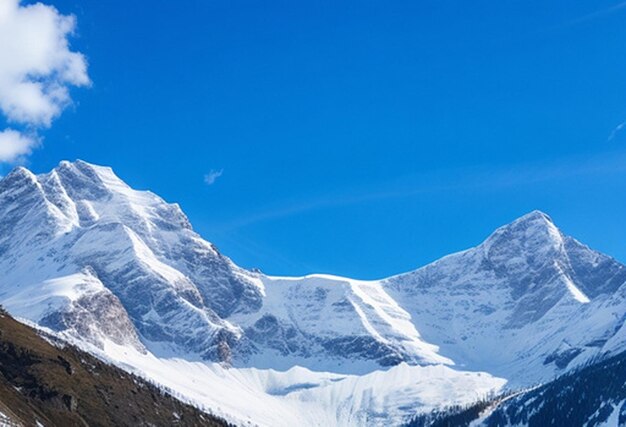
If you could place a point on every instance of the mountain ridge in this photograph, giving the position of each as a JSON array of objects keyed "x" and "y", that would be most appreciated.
[
  {"x": 89, "y": 257},
  {"x": 141, "y": 248}
]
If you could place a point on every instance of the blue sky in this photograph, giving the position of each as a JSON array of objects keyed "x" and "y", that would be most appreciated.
[{"x": 360, "y": 138}]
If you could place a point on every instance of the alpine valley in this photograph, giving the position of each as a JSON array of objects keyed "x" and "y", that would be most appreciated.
[{"x": 121, "y": 274}]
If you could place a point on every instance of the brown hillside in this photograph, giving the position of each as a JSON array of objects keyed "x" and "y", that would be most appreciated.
[{"x": 63, "y": 386}]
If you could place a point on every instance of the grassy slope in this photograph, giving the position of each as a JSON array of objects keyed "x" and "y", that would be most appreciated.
[{"x": 67, "y": 387}]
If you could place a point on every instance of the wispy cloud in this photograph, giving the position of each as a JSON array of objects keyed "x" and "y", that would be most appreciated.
[
  {"x": 595, "y": 15},
  {"x": 470, "y": 179},
  {"x": 37, "y": 68},
  {"x": 616, "y": 131},
  {"x": 211, "y": 177}
]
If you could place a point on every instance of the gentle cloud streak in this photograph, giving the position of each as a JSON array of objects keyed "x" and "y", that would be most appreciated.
[
  {"x": 37, "y": 68},
  {"x": 599, "y": 13},
  {"x": 471, "y": 179},
  {"x": 616, "y": 131},
  {"x": 211, "y": 177}
]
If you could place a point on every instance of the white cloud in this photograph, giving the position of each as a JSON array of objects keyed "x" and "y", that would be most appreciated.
[
  {"x": 15, "y": 145},
  {"x": 210, "y": 177},
  {"x": 37, "y": 67},
  {"x": 616, "y": 131}
]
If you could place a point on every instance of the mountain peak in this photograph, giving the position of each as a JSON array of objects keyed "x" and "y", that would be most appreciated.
[
  {"x": 87, "y": 169},
  {"x": 69, "y": 163},
  {"x": 20, "y": 172},
  {"x": 81, "y": 164},
  {"x": 533, "y": 237},
  {"x": 534, "y": 216},
  {"x": 530, "y": 226},
  {"x": 88, "y": 181}
]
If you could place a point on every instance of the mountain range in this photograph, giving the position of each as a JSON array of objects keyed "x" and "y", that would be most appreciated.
[{"x": 122, "y": 274}]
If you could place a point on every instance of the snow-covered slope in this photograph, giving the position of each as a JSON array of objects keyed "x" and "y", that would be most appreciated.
[
  {"x": 299, "y": 396},
  {"x": 526, "y": 304},
  {"x": 79, "y": 233},
  {"x": 84, "y": 254},
  {"x": 332, "y": 323},
  {"x": 84, "y": 236},
  {"x": 594, "y": 395}
]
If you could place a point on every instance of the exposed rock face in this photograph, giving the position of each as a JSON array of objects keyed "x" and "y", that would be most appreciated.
[{"x": 95, "y": 317}]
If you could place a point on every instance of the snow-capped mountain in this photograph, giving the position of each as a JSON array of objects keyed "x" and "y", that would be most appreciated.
[
  {"x": 527, "y": 297},
  {"x": 85, "y": 255},
  {"x": 81, "y": 250},
  {"x": 525, "y": 304}
]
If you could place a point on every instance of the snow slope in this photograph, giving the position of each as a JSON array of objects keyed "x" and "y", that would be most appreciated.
[
  {"x": 592, "y": 396},
  {"x": 82, "y": 224},
  {"x": 526, "y": 304},
  {"x": 122, "y": 270},
  {"x": 316, "y": 320},
  {"x": 299, "y": 396}
]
